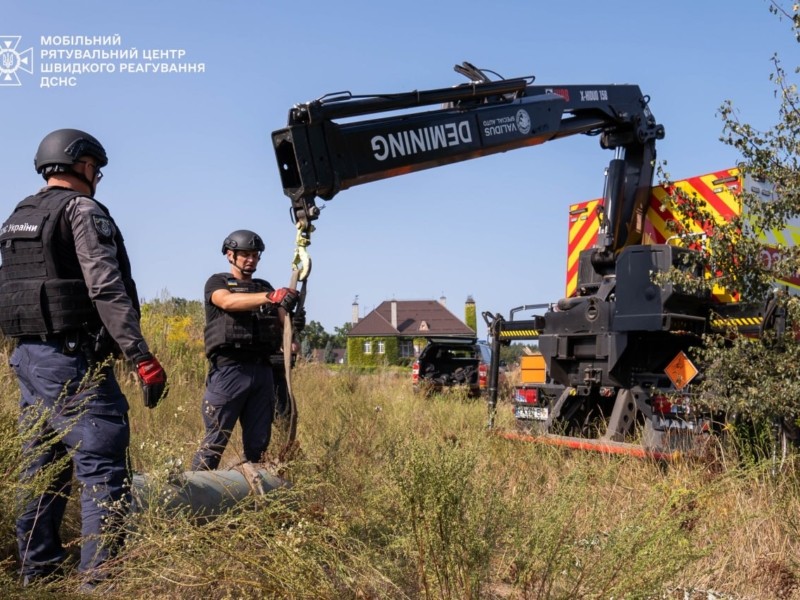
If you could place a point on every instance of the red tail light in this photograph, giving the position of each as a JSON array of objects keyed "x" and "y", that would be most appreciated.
[
  {"x": 415, "y": 372},
  {"x": 483, "y": 376},
  {"x": 664, "y": 405},
  {"x": 661, "y": 405},
  {"x": 527, "y": 395}
]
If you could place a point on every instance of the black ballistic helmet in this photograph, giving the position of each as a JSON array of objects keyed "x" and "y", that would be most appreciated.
[
  {"x": 243, "y": 239},
  {"x": 63, "y": 147}
]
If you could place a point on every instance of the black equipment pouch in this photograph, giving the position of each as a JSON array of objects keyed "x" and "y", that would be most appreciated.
[{"x": 36, "y": 307}]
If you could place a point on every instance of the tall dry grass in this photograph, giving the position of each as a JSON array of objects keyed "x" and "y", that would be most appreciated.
[{"x": 398, "y": 496}]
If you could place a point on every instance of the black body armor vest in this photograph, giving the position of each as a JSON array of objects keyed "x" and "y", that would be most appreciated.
[
  {"x": 42, "y": 290},
  {"x": 237, "y": 332}
]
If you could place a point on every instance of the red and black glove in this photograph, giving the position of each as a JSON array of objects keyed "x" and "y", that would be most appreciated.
[
  {"x": 285, "y": 297},
  {"x": 153, "y": 379}
]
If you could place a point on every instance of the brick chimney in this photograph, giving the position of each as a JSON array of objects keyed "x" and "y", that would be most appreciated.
[
  {"x": 470, "y": 314},
  {"x": 394, "y": 314},
  {"x": 354, "y": 315}
]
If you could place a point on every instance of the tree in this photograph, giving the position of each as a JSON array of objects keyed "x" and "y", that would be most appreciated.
[
  {"x": 340, "y": 334},
  {"x": 742, "y": 376},
  {"x": 511, "y": 354},
  {"x": 314, "y": 335},
  {"x": 328, "y": 356}
]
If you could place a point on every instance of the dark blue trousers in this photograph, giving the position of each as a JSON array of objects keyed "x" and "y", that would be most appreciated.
[
  {"x": 243, "y": 392},
  {"x": 71, "y": 424}
]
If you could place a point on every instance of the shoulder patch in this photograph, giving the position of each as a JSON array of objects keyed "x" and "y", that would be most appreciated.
[{"x": 105, "y": 230}]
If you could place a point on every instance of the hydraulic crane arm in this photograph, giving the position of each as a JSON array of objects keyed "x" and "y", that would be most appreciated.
[{"x": 319, "y": 156}]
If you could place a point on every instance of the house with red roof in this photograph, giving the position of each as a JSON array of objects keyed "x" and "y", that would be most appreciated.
[{"x": 396, "y": 331}]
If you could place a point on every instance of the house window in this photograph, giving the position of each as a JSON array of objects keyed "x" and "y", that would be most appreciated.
[
  {"x": 406, "y": 348},
  {"x": 381, "y": 347},
  {"x": 368, "y": 347}
]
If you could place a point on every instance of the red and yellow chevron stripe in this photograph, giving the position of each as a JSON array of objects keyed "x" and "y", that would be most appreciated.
[
  {"x": 719, "y": 190},
  {"x": 584, "y": 223}
]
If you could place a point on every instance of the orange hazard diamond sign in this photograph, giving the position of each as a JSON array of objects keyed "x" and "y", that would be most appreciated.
[{"x": 681, "y": 370}]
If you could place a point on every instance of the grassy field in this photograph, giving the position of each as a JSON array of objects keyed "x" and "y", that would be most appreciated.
[{"x": 396, "y": 496}]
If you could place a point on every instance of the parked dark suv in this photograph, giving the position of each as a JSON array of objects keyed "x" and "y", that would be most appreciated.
[{"x": 451, "y": 362}]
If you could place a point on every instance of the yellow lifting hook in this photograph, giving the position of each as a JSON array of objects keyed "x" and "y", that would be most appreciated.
[{"x": 302, "y": 260}]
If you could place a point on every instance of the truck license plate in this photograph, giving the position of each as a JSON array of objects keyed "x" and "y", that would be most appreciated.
[{"x": 536, "y": 413}]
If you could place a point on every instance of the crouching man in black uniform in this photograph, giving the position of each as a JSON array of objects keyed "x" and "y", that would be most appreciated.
[
  {"x": 68, "y": 299},
  {"x": 242, "y": 331}
]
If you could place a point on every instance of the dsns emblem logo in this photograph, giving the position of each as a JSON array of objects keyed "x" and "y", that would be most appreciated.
[
  {"x": 12, "y": 61},
  {"x": 523, "y": 122}
]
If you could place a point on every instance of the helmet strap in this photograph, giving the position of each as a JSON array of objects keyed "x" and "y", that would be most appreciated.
[
  {"x": 244, "y": 271},
  {"x": 84, "y": 179}
]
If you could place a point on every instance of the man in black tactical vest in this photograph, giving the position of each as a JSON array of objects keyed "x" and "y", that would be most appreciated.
[
  {"x": 242, "y": 331},
  {"x": 68, "y": 299}
]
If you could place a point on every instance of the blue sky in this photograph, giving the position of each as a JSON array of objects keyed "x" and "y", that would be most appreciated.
[{"x": 191, "y": 157}]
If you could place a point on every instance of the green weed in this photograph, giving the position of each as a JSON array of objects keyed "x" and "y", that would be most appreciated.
[{"x": 396, "y": 495}]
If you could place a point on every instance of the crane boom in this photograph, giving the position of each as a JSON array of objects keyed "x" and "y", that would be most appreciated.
[{"x": 325, "y": 148}]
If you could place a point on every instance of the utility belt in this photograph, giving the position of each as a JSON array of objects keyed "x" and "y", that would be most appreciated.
[
  {"x": 69, "y": 342},
  {"x": 95, "y": 346},
  {"x": 231, "y": 358}
]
